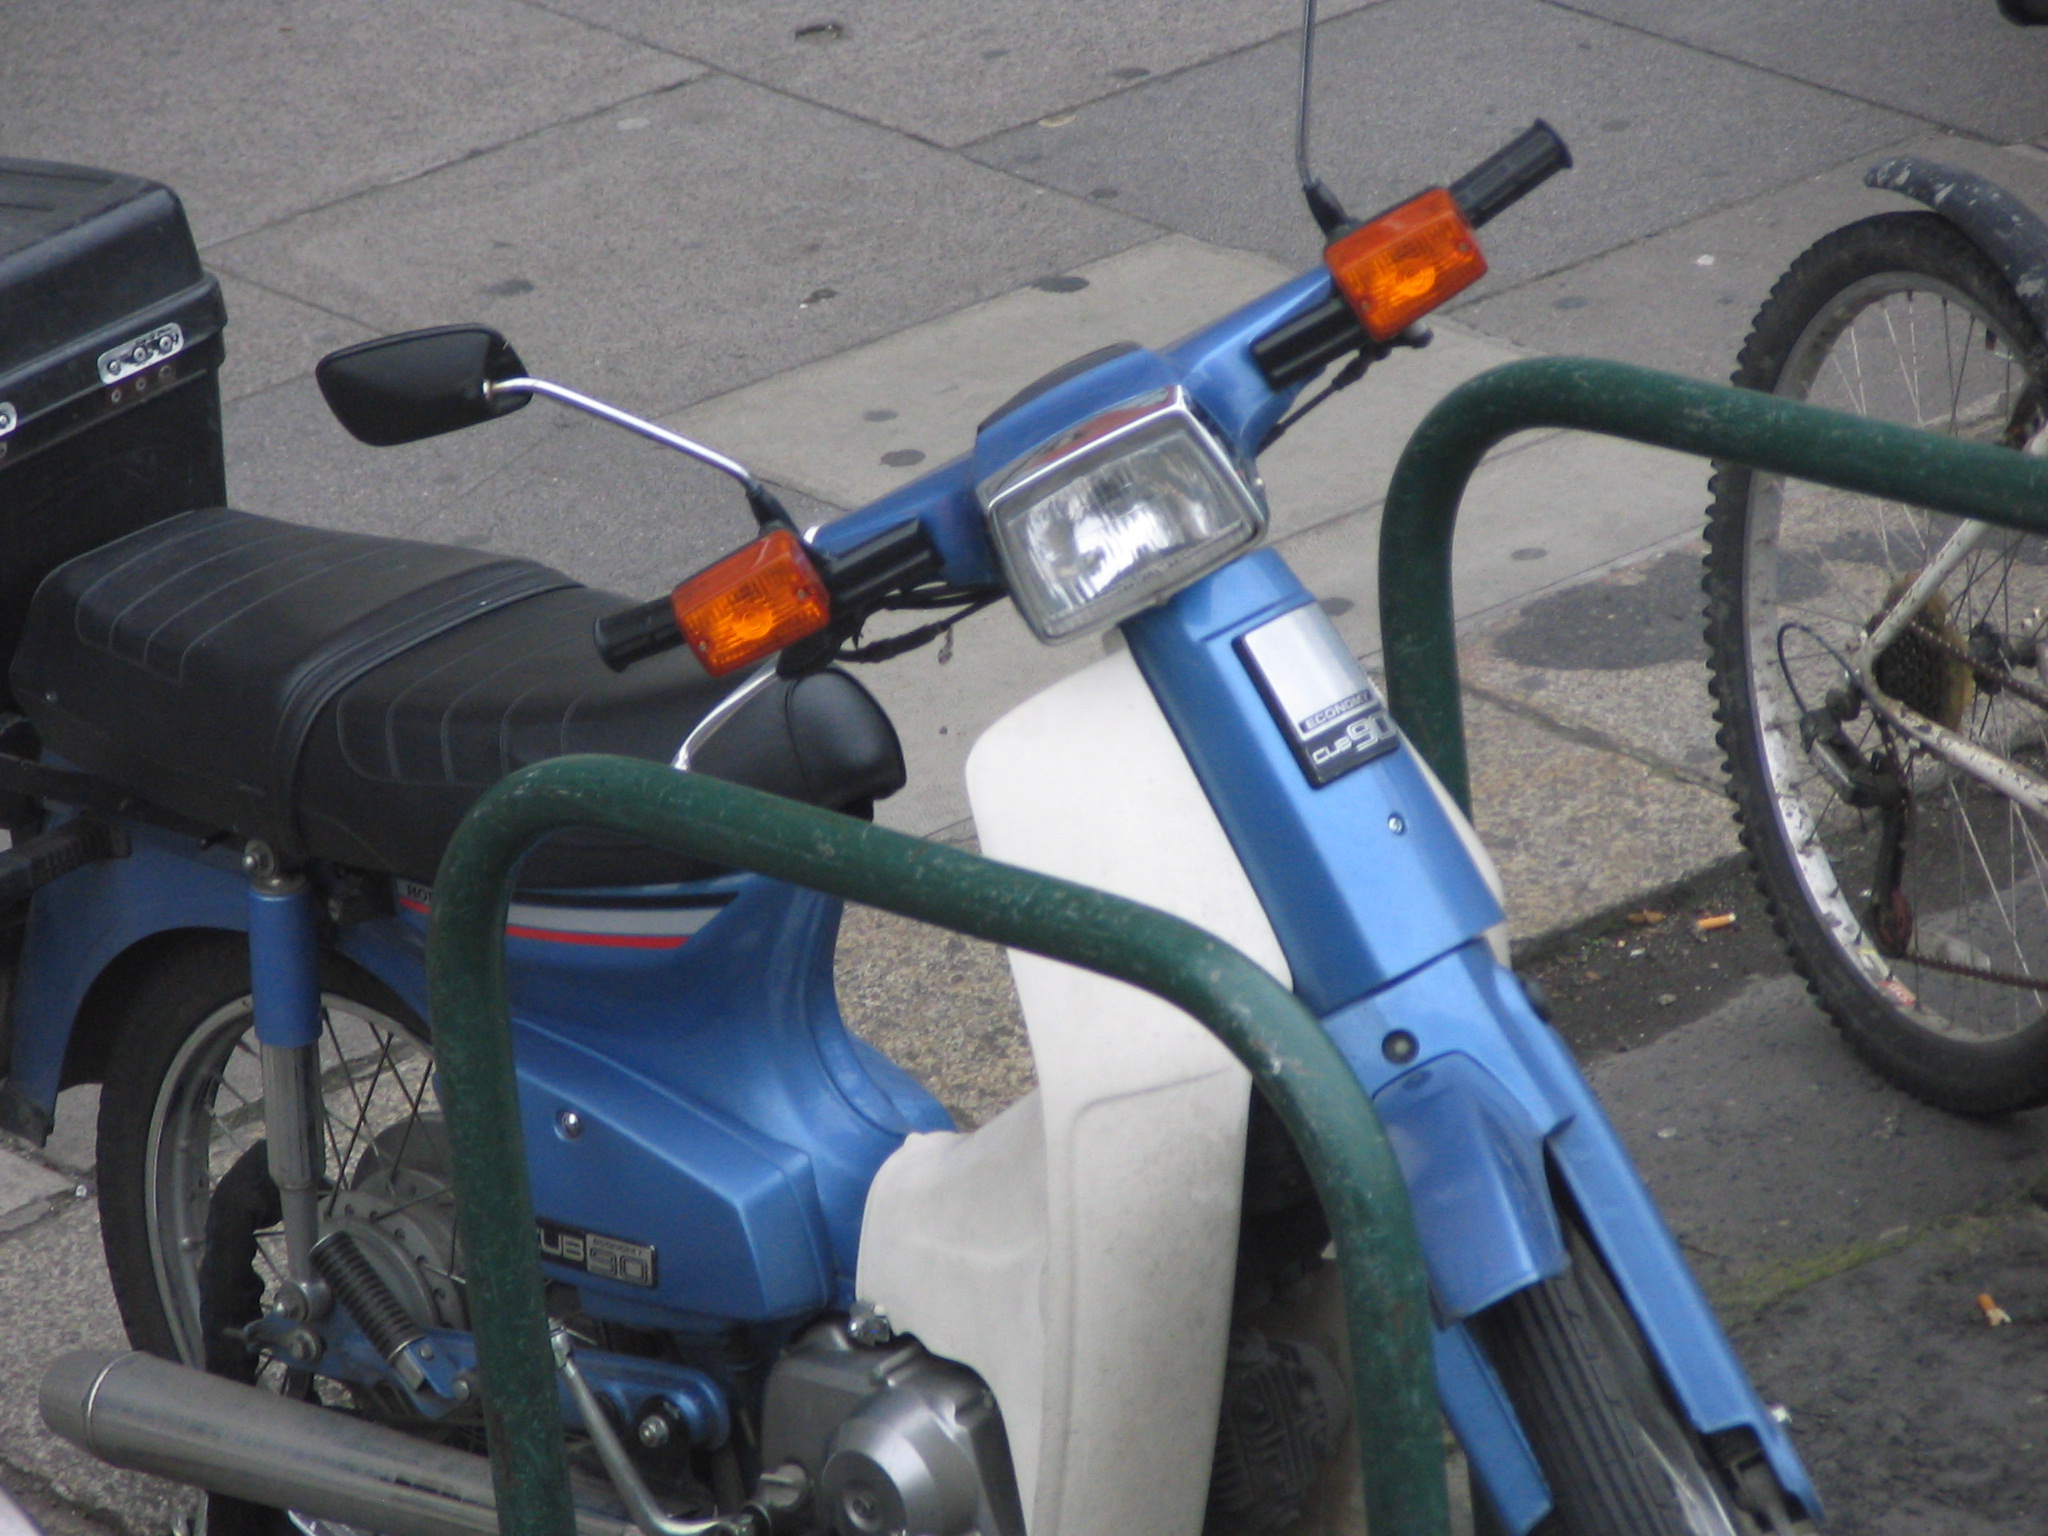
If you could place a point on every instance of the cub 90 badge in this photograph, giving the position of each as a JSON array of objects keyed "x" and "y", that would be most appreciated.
[
  {"x": 1325, "y": 705},
  {"x": 607, "y": 1258}
]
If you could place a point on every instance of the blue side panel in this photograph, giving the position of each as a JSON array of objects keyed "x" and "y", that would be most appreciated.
[
  {"x": 910, "y": 1104},
  {"x": 733, "y": 1216},
  {"x": 78, "y": 924},
  {"x": 729, "y": 1118},
  {"x": 1353, "y": 902},
  {"x": 1474, "y": 1166}
]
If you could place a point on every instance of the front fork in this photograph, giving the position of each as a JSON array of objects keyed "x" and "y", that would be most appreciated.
[
  {"x": 284, "y": 972},
  {"x": 284, "y": 976}
]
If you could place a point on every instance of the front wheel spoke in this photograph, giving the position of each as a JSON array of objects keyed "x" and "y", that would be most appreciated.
[
  {"x": 412, "y": 1119},
  {"x": 212, "y": 1113},
  {"x": 362, "y": 1111}
]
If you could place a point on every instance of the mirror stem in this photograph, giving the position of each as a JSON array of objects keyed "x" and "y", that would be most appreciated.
[
  {"x": 1322, "y": 202},
  {"x": 767, "y": 510}
]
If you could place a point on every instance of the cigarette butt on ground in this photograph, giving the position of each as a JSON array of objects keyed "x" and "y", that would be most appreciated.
[
  {"x": 1994, "y": 1314},
  {"x": 1649, "y": 917},
  {"x": 1714, "y": 923}
]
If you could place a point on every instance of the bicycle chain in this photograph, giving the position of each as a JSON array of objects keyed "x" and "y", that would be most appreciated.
[
  {"x": 1998, "y": 677},
  {"x": 1973, "y": 973}
]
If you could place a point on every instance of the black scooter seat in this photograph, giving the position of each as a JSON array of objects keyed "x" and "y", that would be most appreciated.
[{"x": 347, "y": 697}]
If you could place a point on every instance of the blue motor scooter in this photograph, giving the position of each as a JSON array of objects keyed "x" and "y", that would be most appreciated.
[{"x": 236, "y": 748}]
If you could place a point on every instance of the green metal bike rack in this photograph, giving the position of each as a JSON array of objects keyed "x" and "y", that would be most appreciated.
[
  {"x": 1267, "y": 1027},
  {"x": 1783, "y": 437}
]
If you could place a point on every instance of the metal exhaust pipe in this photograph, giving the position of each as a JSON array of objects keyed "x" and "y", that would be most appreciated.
[{"x": 134, "y": 1410}]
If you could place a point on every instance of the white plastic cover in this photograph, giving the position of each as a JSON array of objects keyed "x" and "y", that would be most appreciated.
[{"x": 1078, "y": 1249}]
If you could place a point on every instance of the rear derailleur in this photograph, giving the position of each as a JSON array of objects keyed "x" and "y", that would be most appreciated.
[{"x": 1865, "y": 781}]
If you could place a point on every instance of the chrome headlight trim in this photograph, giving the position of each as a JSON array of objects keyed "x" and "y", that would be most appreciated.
[{"x": 1161, "y": 418}]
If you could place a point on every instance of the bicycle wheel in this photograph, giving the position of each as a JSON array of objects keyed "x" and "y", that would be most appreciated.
[{"x": 1912, "y": 898}]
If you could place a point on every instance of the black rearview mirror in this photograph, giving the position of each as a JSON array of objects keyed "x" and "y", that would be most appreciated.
[{"x": 399, "y": 389}]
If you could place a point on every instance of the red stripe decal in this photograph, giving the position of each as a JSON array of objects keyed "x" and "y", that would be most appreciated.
[
  {"x": 564, "y": 936},
  {"x": 602, "y": 940}
]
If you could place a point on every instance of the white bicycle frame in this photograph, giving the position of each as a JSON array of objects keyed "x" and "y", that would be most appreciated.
[{"x": 1992, "y": 769}]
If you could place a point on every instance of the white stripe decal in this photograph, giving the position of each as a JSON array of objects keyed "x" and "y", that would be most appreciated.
[{"x": 670, "y": 922}]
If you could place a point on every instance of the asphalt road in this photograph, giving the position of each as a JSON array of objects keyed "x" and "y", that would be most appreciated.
[{"x": 712, "y": 211}]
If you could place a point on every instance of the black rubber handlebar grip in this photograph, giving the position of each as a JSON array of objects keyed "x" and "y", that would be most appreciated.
[
  {"x": 1510, "y": 174},
  {"x": 635, "y": 634}
]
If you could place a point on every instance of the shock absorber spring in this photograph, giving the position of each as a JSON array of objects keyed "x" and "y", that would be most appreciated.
[{"x": 357, "y": 1286}]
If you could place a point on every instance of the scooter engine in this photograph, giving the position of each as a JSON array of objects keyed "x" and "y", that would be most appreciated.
[{"x": 892, "y": 1439}]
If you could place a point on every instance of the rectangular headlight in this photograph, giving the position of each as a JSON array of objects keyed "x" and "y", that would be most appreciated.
[{"x": 1117, "y": 513}]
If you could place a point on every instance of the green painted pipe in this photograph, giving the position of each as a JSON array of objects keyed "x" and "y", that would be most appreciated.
[
  {"x": 1742, "y": 426},
  {"x": 1268, "y": 1028}
]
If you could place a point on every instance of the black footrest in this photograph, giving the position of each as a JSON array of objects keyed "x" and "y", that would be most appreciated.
[{"x": 81, "y": 841}]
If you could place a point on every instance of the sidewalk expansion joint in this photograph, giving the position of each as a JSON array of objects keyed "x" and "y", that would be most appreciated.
[
  {"x": 1521, "y": 442},
  {"x": 1480, "y": 297},
  {"x": 477, "y": 152},
  {"x": 41, "y": 1212},
  {"x": 1289, "y": 31},
  {"x": 1748, "y": 1294},
  {"x": 957, "y": 834},
  {"x": 40, "y": 1488},
  {"x": 1587, "y": 14},
  {"x": 963, "y": 150},
  {"x": 727, "y": 72},
  {"x": 1597, "y": 740}
]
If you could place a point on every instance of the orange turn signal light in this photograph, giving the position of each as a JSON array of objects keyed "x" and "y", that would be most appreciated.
[
  {"x": 1406, "y": 262},
  {"x": 752, "y": 603}
]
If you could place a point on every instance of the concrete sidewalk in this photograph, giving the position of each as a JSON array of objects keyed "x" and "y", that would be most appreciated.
[{"x": 826, "y": 239}]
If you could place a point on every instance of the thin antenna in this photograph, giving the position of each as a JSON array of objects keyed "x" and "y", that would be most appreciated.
[{"x": 1329, "y": 213}]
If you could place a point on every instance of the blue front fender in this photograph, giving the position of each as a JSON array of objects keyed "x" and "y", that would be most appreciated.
[{"x": 1473, "y": 1160}]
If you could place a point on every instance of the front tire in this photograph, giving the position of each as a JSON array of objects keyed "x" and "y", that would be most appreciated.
[
  {"x": 183, "y": 1105},
  {"x": 188, "y": 1216},
  {"x": 1911, "y": 897},
  {"x": 1618, "y": 1458}
]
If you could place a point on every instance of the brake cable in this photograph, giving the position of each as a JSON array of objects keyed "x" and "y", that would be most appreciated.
[
  {"x": 1347, "y": 376},
  {"x": 910, "y": 640}
]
